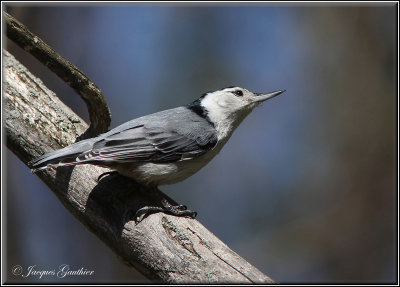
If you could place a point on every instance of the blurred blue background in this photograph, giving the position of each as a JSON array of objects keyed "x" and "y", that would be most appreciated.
[{"x": 305, "y": 188}]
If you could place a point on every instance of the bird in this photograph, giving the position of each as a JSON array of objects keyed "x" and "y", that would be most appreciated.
[{"x": 165, "y": 147}]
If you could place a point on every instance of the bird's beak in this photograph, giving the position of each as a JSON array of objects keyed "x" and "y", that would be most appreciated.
[{"x": 263, "y": 97}]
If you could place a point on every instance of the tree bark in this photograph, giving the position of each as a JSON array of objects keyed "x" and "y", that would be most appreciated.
[
  {"x": 163, "y": 247},
  {"x": 99, "y": 113}
]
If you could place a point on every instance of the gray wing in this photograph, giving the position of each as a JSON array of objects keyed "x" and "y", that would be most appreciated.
[{"x": 167, "y": 136}]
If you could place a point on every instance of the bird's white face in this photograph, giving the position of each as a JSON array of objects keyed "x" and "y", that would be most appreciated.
[
  {"x": 229, "y": 101},
  {"x": 228, "y": 107},
  {"x": 232, "y": 102}
]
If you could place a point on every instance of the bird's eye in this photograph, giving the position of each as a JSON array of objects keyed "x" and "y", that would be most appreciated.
[{"x": 238, "y": 93}]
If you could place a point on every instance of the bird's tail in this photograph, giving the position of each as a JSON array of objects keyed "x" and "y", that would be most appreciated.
[{"x": 62, "y": 157}]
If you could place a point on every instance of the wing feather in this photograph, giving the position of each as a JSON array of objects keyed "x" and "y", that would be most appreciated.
[{"x": 152, "y": 144}]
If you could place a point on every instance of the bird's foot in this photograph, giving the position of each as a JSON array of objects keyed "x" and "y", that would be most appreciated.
[
  {"x": 106, "y": 173},
  {"x": 167, "y": 207}
]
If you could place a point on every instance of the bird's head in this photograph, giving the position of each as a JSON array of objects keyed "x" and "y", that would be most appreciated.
[
  {"x": 232, "y": 102},
  {"x": 226, "y": 108}
]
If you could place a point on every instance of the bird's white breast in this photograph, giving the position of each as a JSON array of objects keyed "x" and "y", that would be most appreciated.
[{"x": 154, "y": 174}]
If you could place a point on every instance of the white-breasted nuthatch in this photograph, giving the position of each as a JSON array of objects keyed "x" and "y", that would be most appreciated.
[{"x": 165, "y": 147}]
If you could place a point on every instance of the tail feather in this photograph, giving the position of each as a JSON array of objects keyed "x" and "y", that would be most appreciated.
[{"x": 64, "y": 156}]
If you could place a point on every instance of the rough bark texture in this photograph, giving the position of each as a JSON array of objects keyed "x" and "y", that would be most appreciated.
[
  {"x": 163, "y": 247},
  {"x": 99, "y": 113}
]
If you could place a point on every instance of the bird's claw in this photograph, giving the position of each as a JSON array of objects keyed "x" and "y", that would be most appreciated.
[
  {"x": 106, "y": 173},
  {"x": 181, "y": 207},
  {"x": 144, "y": 211},
  {"x": 177, "y": 210}
]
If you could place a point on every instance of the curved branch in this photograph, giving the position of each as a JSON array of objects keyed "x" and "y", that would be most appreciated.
[
  {"x": 99, "y": 112},
  {"x": 163, "y": 247}
]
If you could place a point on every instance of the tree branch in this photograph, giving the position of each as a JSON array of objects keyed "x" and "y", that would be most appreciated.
[
  {"x": 162, "y": 247},
  {"x": 99, "y": 113}
]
